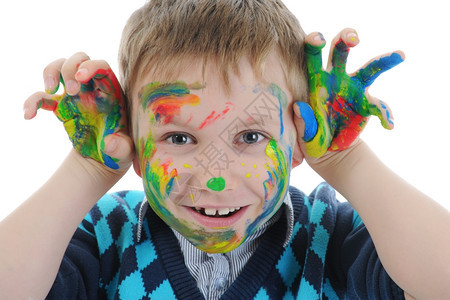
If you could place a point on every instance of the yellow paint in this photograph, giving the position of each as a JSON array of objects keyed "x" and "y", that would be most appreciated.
[{"x": 220, "y": 228}]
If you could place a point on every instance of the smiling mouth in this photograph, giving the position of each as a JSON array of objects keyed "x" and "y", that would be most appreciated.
[
  {"x": 217, "y": 218},
  {"x": 217, "y": 213}
]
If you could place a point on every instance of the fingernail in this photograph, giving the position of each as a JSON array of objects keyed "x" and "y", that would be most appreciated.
[
  {"x": 26, "y": 113},
  {"x": 352, "y": 36},
  {"x": 71, "y": 86},
  {"x": 319, "y": 37},
  {"x": 310, "y": 121},
  {"x": 50, "y": 84}
]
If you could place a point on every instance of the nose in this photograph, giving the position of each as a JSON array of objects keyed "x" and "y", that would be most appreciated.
[
  {"x": 216, "y": 184},
  {"x": 213, "y": 167}
]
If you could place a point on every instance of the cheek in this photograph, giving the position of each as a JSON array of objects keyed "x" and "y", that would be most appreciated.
[{"x": 158, "y": 173}]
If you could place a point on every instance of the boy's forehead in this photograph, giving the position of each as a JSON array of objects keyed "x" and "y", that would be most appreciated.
[
  {"x": 197, "y": 106},
  {"x": 258, "y": 101},
  {"x": 195, "y": 73}
]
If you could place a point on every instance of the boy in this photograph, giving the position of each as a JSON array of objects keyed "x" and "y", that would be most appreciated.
[{"x": 210, "y": 89}]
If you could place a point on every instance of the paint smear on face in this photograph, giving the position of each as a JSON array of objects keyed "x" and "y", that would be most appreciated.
[
  {"x": 165, "y": 100},
  {"x": 277, "y": 92},
  {"x": 215, "y": 116},
  {"x": 160, "y": 178},
  {"x": 277, "y": 166},
  {"x": 275, "y": 188}
]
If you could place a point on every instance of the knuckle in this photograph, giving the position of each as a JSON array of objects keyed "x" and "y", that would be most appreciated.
[
  {"x": 79, "y": 56},
  {"x": 96, "y": 64},
  {"x": 53, "y": 67}
]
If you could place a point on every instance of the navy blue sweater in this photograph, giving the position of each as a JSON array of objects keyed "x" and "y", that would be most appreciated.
[{"x": 330, "y": 256}]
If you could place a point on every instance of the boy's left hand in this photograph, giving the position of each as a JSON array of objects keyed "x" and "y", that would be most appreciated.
[{"x": 339, "y": 104}]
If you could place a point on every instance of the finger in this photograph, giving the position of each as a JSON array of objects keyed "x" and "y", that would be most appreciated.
[
  {"x": 382, "y": 111},
  {"x": 68, "y": 71},
  {"x": 91, "y": 69},
  {"x": 119, "y": 150},
  {"x": 36, "y": 101},
  {"x": 340, "y": 47},
  {"x": 367, "y": 74},
  {"x": 51, "y": 75},
  {"x": 314, "y": 43}
]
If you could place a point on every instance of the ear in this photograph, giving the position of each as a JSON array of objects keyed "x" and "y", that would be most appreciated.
[
  {"x": 136, "y": 166},
  {"x": 298, "y": 156}
]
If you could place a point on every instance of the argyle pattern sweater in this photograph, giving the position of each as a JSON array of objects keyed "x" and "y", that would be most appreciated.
[{"x": 330, "y": 255}]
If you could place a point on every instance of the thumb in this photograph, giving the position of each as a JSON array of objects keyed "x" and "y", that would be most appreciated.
[{"x": 119, "y": 146}]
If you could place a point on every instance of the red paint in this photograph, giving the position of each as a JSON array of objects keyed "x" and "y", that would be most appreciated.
[
  {"x": 165, "y": 108},
  {"x": 352, "y": 124},
  {"x": 213, "y": 116}
]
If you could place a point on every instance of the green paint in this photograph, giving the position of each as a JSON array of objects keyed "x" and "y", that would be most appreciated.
[
  {"x": 91, "y": 115},
  {"x": 216, "y": 184}
]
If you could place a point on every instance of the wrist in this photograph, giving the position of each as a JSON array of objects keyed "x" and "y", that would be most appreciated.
[
  {"x": 338, "y": 167},
  {"x": 88, "y": 175}
]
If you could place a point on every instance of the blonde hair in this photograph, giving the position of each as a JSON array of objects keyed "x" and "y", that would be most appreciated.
[{"x": 163, "y": 36}]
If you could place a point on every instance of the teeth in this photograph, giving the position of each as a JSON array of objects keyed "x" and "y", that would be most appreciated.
[
  {"x": 224, "y": 211},
  {"x": 213, "y": 212},
  {"x": 210, "y": 211}
]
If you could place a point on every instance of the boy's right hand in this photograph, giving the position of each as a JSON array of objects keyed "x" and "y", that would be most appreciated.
[{"x": 92, "y": 109}]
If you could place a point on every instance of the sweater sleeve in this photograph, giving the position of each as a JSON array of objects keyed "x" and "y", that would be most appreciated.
[
  {"x": 358, "y": 261},
  {"x": 78, "y": 275}
]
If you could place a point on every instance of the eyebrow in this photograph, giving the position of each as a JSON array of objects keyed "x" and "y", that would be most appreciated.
[{"x": 261, "y": 121}]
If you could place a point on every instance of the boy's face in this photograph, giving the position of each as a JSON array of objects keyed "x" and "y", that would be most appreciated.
[{"x": 215, "y": 165}]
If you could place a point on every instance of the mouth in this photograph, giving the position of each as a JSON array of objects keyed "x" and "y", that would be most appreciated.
[{"x": 217, "y": 218}]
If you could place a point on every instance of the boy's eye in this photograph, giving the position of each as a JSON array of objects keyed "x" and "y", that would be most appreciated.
[
  {"x": 251, "y": 137},
  {"x": 179, "y": 139}
]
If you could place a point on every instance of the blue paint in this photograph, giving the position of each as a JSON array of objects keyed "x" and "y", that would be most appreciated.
[
  {"x": 309, "y": 119},
  {"x": 276, "y": 91},
  {"x": 388, "y": 115},
  {"x": 155, "y": 90},
  {"x": 374, "y": 69}
]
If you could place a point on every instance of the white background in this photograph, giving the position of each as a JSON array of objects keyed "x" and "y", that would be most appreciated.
[{"x": 34, "y": 33}]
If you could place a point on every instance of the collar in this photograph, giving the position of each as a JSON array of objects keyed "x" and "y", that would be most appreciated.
[{"x": 287, "y": 206}]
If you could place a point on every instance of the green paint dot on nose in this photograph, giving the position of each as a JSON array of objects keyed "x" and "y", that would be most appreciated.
[{"x": 216, "y": 184}]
